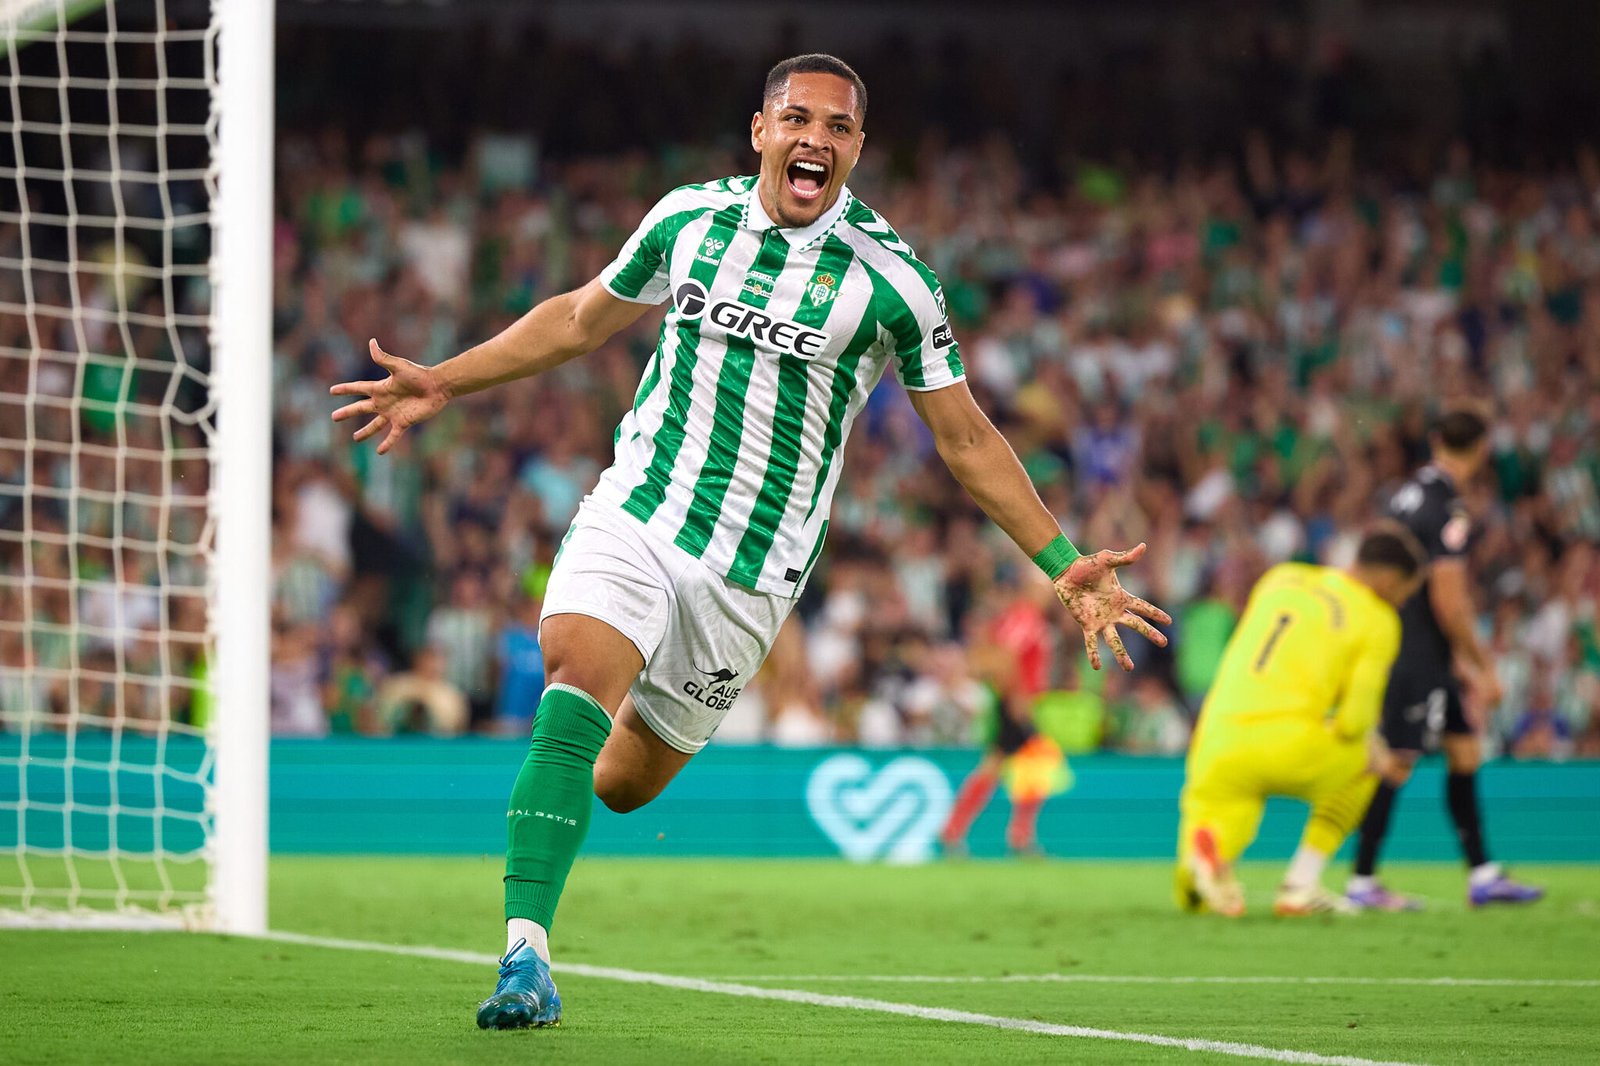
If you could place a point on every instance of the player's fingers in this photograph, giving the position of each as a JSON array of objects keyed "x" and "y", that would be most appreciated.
[
  {"x": 1149, "y": 610},
  {"x": 1114, "y": 639},
  {"x": 353, "y": 388},
  {"x": 379, "y": 356},
  {"x": 370, "y": 428},
  {"x": 1091, "y": 644},
  {"x": 1115, "y": 559},
  {"x": 392, "y": 439},
  {"x": 1143, "y": 628},
  {"x": 351, "y": 410}
]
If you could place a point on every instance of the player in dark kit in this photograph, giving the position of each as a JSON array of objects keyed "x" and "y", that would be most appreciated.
[{"x": 1424, "y": 705}]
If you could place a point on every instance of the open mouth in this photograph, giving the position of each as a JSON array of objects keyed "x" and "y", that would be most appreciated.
[{"x": 807, "y": 178}]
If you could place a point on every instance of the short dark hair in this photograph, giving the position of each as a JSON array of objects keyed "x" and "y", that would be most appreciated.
[
  {"x": 1392, "y": 545},
  {"x": 1461, "y": 427},
  {"x": 813, "y": 63}
]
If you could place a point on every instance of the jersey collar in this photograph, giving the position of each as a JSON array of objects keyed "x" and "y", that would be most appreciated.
[{"x": 755, "y": 218}]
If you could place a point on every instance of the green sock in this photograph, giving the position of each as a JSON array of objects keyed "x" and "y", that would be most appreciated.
[{"x": 548, "y": 815}]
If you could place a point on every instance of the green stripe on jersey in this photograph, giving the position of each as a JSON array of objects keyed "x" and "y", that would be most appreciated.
[
  {"x": 727, "y": 421},
  {"x": 641, "y": 266},
  {"x": 788, "y": 420},
  {"x": 647, "y": 384},
  {"x": 649, "y": 494},
  {"x": 844, "y": 386},
  {"x": 871, "y": 223},
  {"x": 893, "y": 311}
]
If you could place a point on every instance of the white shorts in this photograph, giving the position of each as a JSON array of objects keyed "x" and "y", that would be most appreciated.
[{"x": 702, "y": 636}]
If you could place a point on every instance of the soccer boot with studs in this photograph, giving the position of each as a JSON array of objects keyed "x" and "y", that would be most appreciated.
[
  {"x": 525, "y": 996},
  {"x": 1301, "y": 901},
  {"x": 1219, "y": 891}
]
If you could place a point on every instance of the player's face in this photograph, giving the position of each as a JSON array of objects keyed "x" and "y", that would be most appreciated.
[{"x": 809, "y": 136}]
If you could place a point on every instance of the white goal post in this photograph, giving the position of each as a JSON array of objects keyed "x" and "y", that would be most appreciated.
[{"x": 135, "y": 461}]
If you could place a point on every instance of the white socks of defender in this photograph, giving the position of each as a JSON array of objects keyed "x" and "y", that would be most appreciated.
[
  {"x": 536, "y": 935},
  {"x": 1305, "y": 869}
]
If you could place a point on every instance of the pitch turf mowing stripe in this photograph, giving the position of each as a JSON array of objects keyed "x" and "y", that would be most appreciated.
[
  {"x": 879, "y": 1006},
  {"x": 1169, "y": 979}
]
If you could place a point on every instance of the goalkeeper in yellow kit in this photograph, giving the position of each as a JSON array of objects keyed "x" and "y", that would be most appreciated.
[{"x": 1292, "y": 713}]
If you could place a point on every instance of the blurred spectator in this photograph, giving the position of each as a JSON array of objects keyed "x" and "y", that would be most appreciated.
[
  {"x": 422, "y": 699},
  {"x": 520, "y": 666},
  {"x": 1149, "y": 720},
  {"x": 462, "y": 630}
]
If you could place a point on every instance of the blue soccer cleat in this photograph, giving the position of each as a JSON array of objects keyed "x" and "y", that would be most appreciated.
[
  {"x": 525, "y": 997},
  {"x": 1502, "y": 890}
]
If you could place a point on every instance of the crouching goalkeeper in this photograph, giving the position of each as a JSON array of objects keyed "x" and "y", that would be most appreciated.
[{"x": 1292, "y": 713}]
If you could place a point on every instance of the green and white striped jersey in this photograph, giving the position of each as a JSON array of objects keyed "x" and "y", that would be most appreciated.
[{"x": 775, "y": 337}]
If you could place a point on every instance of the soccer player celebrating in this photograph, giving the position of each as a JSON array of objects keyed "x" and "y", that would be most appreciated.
[
  {"x": 1291, "y": 713},
  {"x": 789, "y": 298},
  {"x": 1438, "y": 642}
]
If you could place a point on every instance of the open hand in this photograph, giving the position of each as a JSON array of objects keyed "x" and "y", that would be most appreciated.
[
  {"x": 1097, "y": 602},
  {"x": 1484, "y": 694},
  {"x": 410, "y": 394}
]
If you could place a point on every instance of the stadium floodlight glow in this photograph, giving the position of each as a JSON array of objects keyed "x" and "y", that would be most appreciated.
[{"x": 135, "y": 451}]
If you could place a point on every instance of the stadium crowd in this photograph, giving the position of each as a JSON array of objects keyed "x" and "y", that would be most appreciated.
[{"x": 1233, "y": 363}]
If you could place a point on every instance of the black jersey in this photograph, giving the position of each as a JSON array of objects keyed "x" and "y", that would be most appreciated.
[{"x": 1432, "y": 509}]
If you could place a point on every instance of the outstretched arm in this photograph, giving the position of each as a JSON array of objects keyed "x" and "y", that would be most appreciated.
[
  {"x": 557, "y": 330},
  {"x": 983, "y": 462},
  {"x": 1451, "y": 597}
]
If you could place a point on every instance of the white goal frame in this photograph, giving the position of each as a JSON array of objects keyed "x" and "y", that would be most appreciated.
[
  {"x": 240, "y": 56},
  {"x": 242, "y": 480}
]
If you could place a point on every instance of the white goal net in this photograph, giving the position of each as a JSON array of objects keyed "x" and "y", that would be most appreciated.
[{"x": 110, "y": 464}]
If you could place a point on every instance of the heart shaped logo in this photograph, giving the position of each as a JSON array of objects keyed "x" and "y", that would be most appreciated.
[{"x": 893, "y": 814}]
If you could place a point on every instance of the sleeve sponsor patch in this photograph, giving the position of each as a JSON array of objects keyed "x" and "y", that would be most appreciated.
[
  {"x": 942, "y": 337},
  {"x": 1455, "y": 533}
]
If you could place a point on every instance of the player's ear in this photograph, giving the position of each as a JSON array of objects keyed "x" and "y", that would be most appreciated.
[{"x": 758, "y": 130}]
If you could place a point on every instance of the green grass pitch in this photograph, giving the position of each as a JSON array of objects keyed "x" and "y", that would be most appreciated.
[{"x": 822, "y": 927}]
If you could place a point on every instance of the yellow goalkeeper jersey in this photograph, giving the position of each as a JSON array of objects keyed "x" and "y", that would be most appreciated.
[{"x": 1314, "y": 644}]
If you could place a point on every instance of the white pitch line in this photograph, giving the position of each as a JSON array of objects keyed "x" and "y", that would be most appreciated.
[
  {"x": 1168, "y": 979},
  {"x": 909, "y": 1010}
]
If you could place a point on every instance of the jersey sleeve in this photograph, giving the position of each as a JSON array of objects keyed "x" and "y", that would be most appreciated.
[
  {"x": 926, "y": 355},
  {"x": 1362, "y": 700},
  {"x": 639, "y": 272},
  {"x": 1436, "y": 516}
]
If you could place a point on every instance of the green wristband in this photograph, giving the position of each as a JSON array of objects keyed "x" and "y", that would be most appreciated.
[{"x": 1055, "y": 557}]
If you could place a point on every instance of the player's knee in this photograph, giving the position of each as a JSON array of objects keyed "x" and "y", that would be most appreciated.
[
  {"x": 1463, "y": 758},
  {"x": 620, "y": 798}
]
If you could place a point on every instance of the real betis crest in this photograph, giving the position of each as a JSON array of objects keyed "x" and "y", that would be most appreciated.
[{"x": 823, "y": 289}]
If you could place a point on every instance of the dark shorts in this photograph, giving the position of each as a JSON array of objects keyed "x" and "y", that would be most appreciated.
[
  {"x": 1417, "y": 712},
  {"x": 1010, "y": 735}
]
